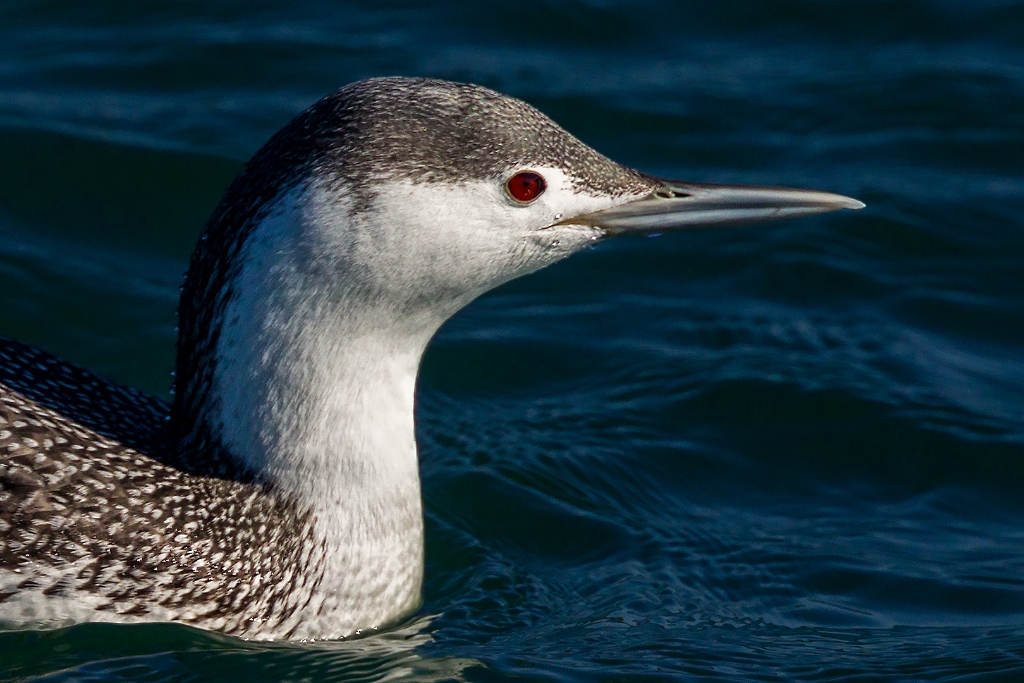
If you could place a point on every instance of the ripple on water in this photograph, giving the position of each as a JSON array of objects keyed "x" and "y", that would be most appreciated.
[{"x": 781, "y": 453}]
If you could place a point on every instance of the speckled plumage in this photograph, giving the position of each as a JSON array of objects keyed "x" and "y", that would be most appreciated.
[{"x": 84, "y": 513}]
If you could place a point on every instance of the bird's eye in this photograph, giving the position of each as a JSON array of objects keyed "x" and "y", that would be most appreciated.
[{"x": 525, "y": 186}]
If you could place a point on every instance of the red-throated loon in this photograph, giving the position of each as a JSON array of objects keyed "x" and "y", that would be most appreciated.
[{"x": 279, "y": 496}]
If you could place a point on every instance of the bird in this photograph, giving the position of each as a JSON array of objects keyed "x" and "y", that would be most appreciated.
[{"x": 277, "y": 496}]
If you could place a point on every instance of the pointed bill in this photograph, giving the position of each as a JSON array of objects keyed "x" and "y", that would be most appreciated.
[{"x": 676, "y": 205}]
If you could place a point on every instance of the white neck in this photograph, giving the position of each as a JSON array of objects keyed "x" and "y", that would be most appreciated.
[
  {"x": 315, "y": 390},
  {"x": 320, "y": 341}
]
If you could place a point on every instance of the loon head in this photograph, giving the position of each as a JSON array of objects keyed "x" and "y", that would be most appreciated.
[
  {"x": 340, "y": 249},
  {"x": 374, "y": 216}
]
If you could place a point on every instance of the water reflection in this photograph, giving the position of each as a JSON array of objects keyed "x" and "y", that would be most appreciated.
[{"x": 161, "y": 652}]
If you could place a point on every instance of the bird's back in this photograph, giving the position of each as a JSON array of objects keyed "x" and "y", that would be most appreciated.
[{"x": 97, "y": 524}]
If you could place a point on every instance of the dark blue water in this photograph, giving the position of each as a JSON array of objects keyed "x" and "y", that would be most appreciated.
[{"x": 791, "y": 452}]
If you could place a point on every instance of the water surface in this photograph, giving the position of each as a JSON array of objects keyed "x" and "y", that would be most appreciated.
[{"x": 786, "y": 452}]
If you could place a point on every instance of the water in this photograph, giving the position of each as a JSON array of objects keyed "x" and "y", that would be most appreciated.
[{"x": 788, "y": 452}]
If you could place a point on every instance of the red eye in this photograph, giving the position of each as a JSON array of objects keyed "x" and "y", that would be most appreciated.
[{"x": 525, "y": 186}]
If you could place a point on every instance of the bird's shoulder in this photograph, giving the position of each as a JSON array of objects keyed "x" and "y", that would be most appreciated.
[
  {"x": 131, "y": 417},
  {"x": 84, "y": 513}
]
